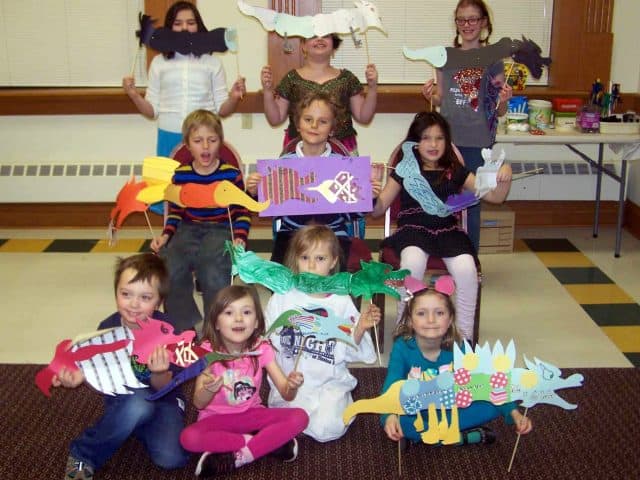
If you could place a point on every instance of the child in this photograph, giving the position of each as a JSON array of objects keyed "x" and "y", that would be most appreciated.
[
  {"x": 471, "y": 112},
  {"x": 317, "y": 75},
  {"x": 327, "y": 389},
  {"x": 421, "y": 234},
  {"x": 193, "y": 238},
  {"x": 179, "y": 84},
  {"x": 233, "y": 428},
  {"x": 315, "y": 118},
  {"x": 141, "y": 283},
  {"x": 424, "y": 345}
]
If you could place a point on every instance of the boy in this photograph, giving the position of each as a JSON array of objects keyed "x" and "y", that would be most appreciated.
[
  {"x": 141, "y": 284},
  {"x": 194, "y": 237}
]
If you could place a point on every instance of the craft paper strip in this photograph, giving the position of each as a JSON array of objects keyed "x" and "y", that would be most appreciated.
[{"x": 315, "y": 185}]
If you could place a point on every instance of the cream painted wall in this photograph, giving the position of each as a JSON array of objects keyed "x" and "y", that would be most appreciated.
[{"x": 129, "y": 138}]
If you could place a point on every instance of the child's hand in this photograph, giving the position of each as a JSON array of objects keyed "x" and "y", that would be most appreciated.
[
  {"x": 129, "y": 85},
  {"x": 238, "y": 89},
  {"x": 158, "y": 361},
  {"x": 371, "y": 75},
  {"x": 392, "y": 428},
  {"x": 506, "y": 92},
  {"x": 266, "y": 78},
  {"x": 522, "y": 424},
  {"x": 428, "y": 89},
  {"x": 68, "y": 378},
  {"x": 504, "y": 173},
  {"x": 239, "y": 241},
  {"x": 370, "y": 317},
  {"x": 252, "y": 182},
  {"x": 211, "y": 383},
  {"x": 294, "y": 380},
  {"x": 158, "y": 242},
  {"x": 376, "y": 188}
]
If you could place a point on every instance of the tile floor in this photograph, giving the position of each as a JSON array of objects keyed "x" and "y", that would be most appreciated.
[{"x": 562, "y": 296}]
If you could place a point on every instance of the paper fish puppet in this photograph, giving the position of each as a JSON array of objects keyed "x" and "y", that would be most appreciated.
[
  {"x": 321, "y": 324},
  {"x": 315, "y": 185},
  {"x": 480, "y": 374},
  {"x": 197, "y": 43},
  {"x": 363, "y": 16},
  {"x": 524, "y": 51}
]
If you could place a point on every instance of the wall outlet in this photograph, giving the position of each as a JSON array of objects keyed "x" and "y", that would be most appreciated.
[{"x": 246, "y": 120}]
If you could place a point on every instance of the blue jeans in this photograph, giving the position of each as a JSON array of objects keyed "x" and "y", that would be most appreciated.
[
  {"x": 156, "y": 424},
  {"x": 195, "y": 248},
  {"x": 472, "y": 160}
]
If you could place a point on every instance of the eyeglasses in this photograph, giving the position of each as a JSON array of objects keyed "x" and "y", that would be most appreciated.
[{"x": 473, "y": 21}]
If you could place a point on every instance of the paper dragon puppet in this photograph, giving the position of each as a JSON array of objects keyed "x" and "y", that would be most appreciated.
[
  {"x": 420, "y": 190},
  {"x": 480, "y": 374},
  {"x": 156, "y": 186},
  {"x": 363, "y": 16},
  {"x": 374, "y": 277},
  {"x": 197, "y": 43}
]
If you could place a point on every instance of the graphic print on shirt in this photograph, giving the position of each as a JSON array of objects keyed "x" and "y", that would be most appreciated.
[
  {"x": 292, "y": 339},
  {"x": 239, "y": 388},
  {"x": 469, "y": 81}
]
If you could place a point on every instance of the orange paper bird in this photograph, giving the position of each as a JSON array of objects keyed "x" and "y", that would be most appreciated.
[{"x": 126, "y": 202}]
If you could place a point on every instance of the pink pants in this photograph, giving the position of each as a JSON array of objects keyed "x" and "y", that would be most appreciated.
[{"x": 270, "y": 427}]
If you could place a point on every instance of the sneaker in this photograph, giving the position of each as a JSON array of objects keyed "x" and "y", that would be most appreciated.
[
  {"x": 211, "y": 464},
  {"x": 287, "y": 452},
  {"x": 77, "y": 469},
  {"x": 478, "y": 435}
]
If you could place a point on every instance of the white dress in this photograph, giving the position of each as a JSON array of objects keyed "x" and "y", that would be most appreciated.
[{"x": 327, "y": 387}]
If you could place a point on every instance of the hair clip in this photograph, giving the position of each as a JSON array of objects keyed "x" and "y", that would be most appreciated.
[{"x": 442, "y": 284}]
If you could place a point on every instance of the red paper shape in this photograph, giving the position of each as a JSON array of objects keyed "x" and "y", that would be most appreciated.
[
  {"x": 126, "y": 202},
  {"x": 153, "y": 332}
]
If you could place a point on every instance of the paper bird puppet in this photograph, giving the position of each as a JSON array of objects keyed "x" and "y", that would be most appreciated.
[
  {"x": 486, "y": 175},
  {"x": 363, "y": 16},
  {"x": 197, "y": 43},
  {"x": 480, "y": 374}
]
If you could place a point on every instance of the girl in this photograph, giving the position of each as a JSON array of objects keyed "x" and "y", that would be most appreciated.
[
  {"x": 179, "y": 84},
  {"x": 317, "y": 75},
  {"x": 471, "y": 98},
  {"x": 421, "y": 234},
  {"x": 315, "y": 118},
  {"x": 233, "y": 427},
  {"x": 327, "y": 390},
  {"x": 424, "y": 345}
]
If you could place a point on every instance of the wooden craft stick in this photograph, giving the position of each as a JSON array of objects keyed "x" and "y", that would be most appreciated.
[
  {"x": 366, "y": 46},
  {"x": 146, "y": 215},
  {"x": 506, "y": 80},
  {"x": 375, "y": 334},
  {"x": 528, "y": 173},
  {"x": 434, "y": 84},
  {"x": 135, "y": 62},
  {"x": 399, "y": 458},
  {"x": 299, "y": 356},
  {"x": 515, "y": 447}
]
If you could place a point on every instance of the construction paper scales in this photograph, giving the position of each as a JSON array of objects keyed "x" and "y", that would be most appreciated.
[
  {"x": 315, "y": 185},
  {"x": 363, "y": 16},
  {"x": 197, "y": 43},
  {"x": 480, "y": 374}
]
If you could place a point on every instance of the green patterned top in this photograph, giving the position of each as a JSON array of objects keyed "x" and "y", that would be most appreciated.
[{"x": 293, "y": 88}]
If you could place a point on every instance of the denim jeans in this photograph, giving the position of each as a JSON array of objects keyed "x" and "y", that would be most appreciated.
[
  {"x": 156, "y": 424},
  {"x": 472, "y": 160},
  {"x": 195, "y": 248}
]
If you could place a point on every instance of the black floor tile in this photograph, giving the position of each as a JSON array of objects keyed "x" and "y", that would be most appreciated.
[
  {"x": 71, "y": 245},
  {"x": 572, "y": 275},
  {"x": 3, "y": 241},
  {"x": 633, "y": 358},
  {"x": 550, "y": 245},
  {"x": 614, "y": 314}
]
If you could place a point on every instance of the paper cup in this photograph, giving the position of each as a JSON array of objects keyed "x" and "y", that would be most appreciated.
[{"x": 539, "y": 113}]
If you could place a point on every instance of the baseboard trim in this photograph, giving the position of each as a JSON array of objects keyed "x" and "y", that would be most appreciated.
[{"x": 91, "y": 215}]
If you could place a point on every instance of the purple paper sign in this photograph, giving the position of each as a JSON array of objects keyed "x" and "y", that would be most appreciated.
[{"x": 301, "y": 186}]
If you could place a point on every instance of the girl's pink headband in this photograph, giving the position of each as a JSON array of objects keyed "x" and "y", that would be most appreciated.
[{"x": 443, "y": 284}]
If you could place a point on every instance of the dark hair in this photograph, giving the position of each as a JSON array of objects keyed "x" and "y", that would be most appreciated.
[
  {"x": 147, "y": 266},
  {"x": 222, "y": 299},
  {"x": 308, "y": 237},
  {"x": 484, "y": 12},
  {"x": 423, "y": 120},
  {"x": 171, "y": 15},
  {"x": 405, "y": 330},
  {"x": 309, "y": 98}
]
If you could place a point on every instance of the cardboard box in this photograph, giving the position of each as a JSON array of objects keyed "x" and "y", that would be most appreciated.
[{"x": 497, "y": 223}]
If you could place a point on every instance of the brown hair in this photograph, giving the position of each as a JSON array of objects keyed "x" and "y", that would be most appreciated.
[
  {"x": 222, "y": 299},
  {"x": 405, "y": 330},
  {"x": 147, "y": 266},
  {"x": 199, "y": 118},
  {"x": 484, "y": 12},
  {"x": 308, "y": 99},
  {"x": 308, "y": 237}
]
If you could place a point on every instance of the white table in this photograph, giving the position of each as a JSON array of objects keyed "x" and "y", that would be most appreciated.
[{"x": 570, "y": 140}]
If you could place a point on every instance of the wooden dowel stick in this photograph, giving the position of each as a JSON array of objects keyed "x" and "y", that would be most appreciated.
[
  {"x": 146, "y": 215},
  {"x": 515, "y": 447}
]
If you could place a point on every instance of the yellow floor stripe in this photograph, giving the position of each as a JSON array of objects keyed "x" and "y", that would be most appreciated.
[
  {"x": 124, "y": 245},
  {"x": 25, "y": 245},
  {"x": 598, "y": 293},
  {"x": 627, "y": 339},
  {"x": 564, "y": 259}
]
